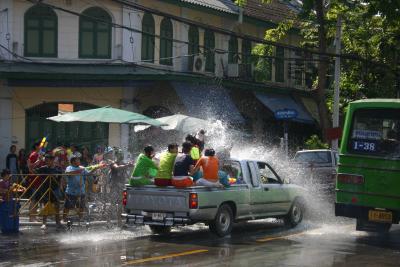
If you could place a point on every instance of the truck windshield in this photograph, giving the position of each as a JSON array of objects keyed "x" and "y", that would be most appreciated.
[
  {"x": 313, "y": 157},
  {"x": 376, "y": 132}
]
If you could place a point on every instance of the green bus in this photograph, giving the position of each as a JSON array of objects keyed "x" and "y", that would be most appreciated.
[{"x": 368, "y": 179}]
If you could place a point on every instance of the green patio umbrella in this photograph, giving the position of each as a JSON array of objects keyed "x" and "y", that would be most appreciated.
[{"x": 107, "y": 114}]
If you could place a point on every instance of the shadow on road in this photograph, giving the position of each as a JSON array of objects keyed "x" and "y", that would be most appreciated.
[{"x": 243, "y": 233}]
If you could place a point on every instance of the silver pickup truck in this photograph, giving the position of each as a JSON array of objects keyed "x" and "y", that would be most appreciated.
[{"x": 259, "y": 193}]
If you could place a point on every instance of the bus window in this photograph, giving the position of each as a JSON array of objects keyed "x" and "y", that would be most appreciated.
[{"x": 376, "y": 132}]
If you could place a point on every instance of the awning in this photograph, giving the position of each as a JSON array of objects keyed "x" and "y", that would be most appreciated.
[
  {"x": 277, "y": 102},
  {"x": 208, "y": 102},
  {"x": 311, "y": 107}
]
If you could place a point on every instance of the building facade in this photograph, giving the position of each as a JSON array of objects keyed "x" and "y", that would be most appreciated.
[{"x": 155, "y": 57}]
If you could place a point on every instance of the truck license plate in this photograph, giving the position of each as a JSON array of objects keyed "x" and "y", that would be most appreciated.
[
  {"x": 156, "y": 216},
  {"x": 380, "y": 216}
]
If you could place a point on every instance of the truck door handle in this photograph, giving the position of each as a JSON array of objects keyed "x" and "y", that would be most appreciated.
[{"x": 266, "y": 189}]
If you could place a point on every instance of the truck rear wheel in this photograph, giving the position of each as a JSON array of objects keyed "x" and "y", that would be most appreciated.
[
  {"x": 160, "y": 229},
  {"x": 223, "y": 222},
  {"x": 295, "y": 215}
]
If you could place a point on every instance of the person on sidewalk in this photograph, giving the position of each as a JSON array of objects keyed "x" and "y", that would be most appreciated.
[
  {"x": 166, "y": 166},
  {"x": 209, "y": 164},
  {"x": 145, "y": 169},
  {"x": 12, "y": 162},
  {"x": 50, "y": 190},
  {"x": 76, "y": 187},
  {"x": 22, "y": 162},
  {"x": 5, "y": 185},
  {"x": 33, "y": 182}
]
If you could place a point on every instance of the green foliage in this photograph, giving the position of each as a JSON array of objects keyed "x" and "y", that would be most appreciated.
[
  {"x": 241, "y": 3},
  {"x": 315, "y": 143},
  {"x": 370, "y": 33}
]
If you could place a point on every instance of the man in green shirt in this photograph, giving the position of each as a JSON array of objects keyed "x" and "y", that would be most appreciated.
[
  {"x": 145, "y": 168},
  {"x": 166, "y": 166}
]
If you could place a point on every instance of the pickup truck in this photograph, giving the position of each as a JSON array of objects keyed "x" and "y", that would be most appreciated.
[
  {"x": 321, "y": 163},
  {"x": 259, "y": 193}
]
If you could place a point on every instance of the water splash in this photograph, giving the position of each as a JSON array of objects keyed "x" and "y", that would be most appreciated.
[
  {"x": 102, "y": 236},
  {"x": 227, "y": 141}
]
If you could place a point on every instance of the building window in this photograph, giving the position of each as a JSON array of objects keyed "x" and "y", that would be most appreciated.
[
  {"x": 279, "y": 64},
  {"x": 95, "y": 33},
  {"x": 89, "y": 134},
  {"x": 148, "y": 30},
  {"x": 209, "y": 46},
  {"x": 246, "y": 58},
  {"x": 40, "y": 32},
  {"x": 233, "y": 50},
  {"x": 166, "y": 35},
  {"x": 193, "y": 47}
]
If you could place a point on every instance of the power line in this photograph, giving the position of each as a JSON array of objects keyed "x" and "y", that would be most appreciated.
[
  {"x": 116, "y": 25},
  {"x": 215, "y": 29},
  {"x": 246, "y": 37}
]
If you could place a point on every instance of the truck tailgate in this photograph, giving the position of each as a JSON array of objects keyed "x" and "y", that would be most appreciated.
[{"x": 154, "y": 199}]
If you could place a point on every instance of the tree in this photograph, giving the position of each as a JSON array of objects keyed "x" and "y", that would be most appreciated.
[{"x": 370, "y": 41}]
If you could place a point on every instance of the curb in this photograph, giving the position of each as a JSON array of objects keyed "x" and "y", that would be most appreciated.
[{"x": 53, "y": 224}]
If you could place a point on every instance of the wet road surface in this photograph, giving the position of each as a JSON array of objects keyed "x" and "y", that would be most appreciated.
[{"x": 258, "y": 243}]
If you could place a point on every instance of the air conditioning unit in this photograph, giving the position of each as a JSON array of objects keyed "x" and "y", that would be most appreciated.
[
  {"x": 233, "y": 70},
  {"x": 199, "y": 64}
]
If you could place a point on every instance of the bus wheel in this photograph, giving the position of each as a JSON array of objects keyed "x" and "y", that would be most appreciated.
[
  {"x": 383, "y": 228},
  {"x": 364, "y": 225}
]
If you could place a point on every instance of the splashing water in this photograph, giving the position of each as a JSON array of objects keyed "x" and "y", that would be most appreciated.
[
  {"x": 103, "y": 236},
  {"x": 224, "y": 139},
  {"x": 320, "y": 197}
]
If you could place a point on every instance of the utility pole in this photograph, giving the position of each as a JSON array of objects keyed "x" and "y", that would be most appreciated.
[{"x": 336, "y": 94}]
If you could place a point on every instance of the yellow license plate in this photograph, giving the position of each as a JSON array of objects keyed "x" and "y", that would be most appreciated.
[{"x": 380, "y": 216}]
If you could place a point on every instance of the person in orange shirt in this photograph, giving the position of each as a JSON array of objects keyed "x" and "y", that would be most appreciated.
[{"x": 210, "y": 164}]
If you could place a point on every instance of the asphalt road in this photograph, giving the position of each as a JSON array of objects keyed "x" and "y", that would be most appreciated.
[{"x": 258, "y": 243}]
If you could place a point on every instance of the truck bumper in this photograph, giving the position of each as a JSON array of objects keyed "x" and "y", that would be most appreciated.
[
  {"x": 144, "y": 220},
  {"x": 357, "y": 212}
]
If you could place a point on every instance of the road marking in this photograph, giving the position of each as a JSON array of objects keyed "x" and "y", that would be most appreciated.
[
  {"x": 267, "y": 239},
  {"x": 132, "y": 262}
]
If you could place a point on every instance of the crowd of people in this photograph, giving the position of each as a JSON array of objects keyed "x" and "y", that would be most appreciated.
[
  {"x": 72, "y": 175},
  {"x": 193, "y": 165},
  {"x": 63, "y": 173}
]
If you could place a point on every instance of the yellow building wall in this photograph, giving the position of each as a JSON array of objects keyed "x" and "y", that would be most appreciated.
[
  {"x": 207, "y": 18},
  {"x": 27, "y": 97}
]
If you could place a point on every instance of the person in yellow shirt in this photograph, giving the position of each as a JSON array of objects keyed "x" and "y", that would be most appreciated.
[{"x": 166, "y": 166}]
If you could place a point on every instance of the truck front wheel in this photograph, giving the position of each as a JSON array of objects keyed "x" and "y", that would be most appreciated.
[
  {"x": 223, "y": 222},
  {"x": 295, "y": 215},
  {"x": 160, "y": 230}
]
